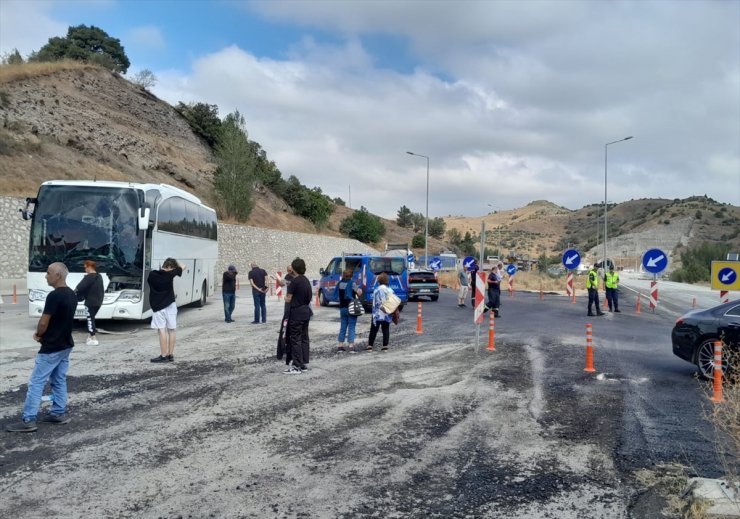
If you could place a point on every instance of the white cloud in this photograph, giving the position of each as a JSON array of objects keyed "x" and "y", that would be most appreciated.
[{"x": 27, "y": 26}]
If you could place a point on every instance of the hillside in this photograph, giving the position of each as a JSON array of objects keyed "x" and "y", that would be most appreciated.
[{"x": 74, "y": 121}]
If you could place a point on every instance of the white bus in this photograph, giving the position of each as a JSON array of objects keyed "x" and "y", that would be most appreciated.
[{"x": 127, "y": 229}]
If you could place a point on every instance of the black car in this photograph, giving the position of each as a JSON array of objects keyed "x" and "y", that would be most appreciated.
[
  {"x": 423, "y": 283},
  {"x": 695, "y": 333}
]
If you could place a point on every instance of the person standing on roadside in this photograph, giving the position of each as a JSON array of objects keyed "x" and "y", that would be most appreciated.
[
  {"x": 258, "y": 279},
  {"x": 381, "y": 320},
  {"x": 464, "y": 280},
  {"x": 473, "y": 272},
  {"x": 346, "y": 291},
  {"x": 162, "y": 300},
  {"x": 611, "y": 282},
  {"x": 494, "y": 290},
  {"x": 228, "y": 290},
  {"x": 91, "y": 291},
  {"x": 592, "y": 286},
  {"x": 54, "y": 332},
  {"x": 299, "y": 297}
]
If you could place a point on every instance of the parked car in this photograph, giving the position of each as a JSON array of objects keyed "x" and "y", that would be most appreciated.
[
  {"x": 695, "y": 333},
  {"x": 423, "y": 283}
]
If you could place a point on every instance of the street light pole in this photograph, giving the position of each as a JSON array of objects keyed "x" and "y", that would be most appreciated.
[
  {"x": 426, "y": 222},
  {"x": 606, "y": 205}
]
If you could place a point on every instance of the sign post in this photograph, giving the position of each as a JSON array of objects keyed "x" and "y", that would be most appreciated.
[
  {"x": 571, "y": 260},
  {"x": 654, "y": 261}
]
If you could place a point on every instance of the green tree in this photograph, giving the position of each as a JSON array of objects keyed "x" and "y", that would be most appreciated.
[
  {"x": 696, "y": 263},
  {"x": 418, "y": 241},
  {"x": 234, "y": 177},
  {"x": 418, "y": 222},
  {"x": 437, "y": 228},
  {"x": 404, "y": 217},
  {"x": 88, "y": 44},
  {"x": 203, "y": 120},
  {"x": 363, "y": 226},
  {"x": 12, "y": 58},
  {"x": 454, "y": 237},
  {"x": 339, "y": 201},
  {"x": 311, "y": 204}
]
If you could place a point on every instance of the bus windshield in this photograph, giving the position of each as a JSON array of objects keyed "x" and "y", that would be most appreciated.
[{"x": 72, "y": 224}]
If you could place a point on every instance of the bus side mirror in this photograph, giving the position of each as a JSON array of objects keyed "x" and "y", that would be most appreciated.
[{"x": 144, "y": 218}]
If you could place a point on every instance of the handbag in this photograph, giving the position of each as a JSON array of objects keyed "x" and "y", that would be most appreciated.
[
  {"x": 391, "y": 303},
  {"x": 355, "y": 307}
]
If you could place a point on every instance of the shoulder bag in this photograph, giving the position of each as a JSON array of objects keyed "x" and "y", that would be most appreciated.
[
  {"x": 391, "y": 303},
  {"x": 355, "y": 307}
]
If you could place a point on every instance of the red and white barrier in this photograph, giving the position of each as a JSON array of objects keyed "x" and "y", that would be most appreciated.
[
  {"x": 653, "y": 295},
  {"x": 278, "y": 286},
  {"x": 480, "y": 297},
  {"x": 724, "y": 296}
]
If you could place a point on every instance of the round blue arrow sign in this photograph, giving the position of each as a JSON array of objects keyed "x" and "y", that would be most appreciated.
[
  {"x": 411, "y": 258},
  {"x": 435, "y": 263},
  {"x": 511, "y": 269},
  {"x": 654, "y": 261},
  {"x": 468, "y": 262},
  {"x": 571, "y": 259},
  {"x": 727, "y": 276}
]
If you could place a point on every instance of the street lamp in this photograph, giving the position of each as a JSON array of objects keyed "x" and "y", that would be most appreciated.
[
  {"x": 606, "y": 205},
  {"x": 426, "y": 223}
]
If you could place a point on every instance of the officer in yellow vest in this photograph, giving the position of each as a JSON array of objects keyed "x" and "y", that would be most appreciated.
[
  {"x": 611, "y": 282},
  {"x": 592, "y": 285}
]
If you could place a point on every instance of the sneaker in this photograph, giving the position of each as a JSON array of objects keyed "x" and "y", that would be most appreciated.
[
  {"x": 29, "y": 426},
  {"x": 254, "y": 322},
  {"x": 304, "y": 369},
  {"x": 170, "y": 358},
  {"x": 60, "y": 419},
  {"x": 292, "y": 370},
  {"x": 384, "y": 348},
  {"x": 369, "y": 348},
  {"x": 341, "y": 349},
  {"x": 92, "y": 341},
  {"x": 599, "y": 314},
  {"x": 618, "y": 311},
  {"x": 160, "y": 358}
]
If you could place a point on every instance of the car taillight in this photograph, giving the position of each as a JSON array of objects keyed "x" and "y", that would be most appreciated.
[{"x": 679, "y": 321}]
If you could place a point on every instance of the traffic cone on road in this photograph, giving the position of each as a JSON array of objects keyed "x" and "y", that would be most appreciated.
[
  {"x": 589, "y": 350},
  {"x": 419, "y": 328}
]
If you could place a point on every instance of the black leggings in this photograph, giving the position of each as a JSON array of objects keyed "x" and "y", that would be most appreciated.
[
  {"x": 383, "y": 325},
  {"x": 92, "y": 311}
]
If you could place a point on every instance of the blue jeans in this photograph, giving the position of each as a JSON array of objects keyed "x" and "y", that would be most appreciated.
[
  {"x": 229, "y": 302},
  {"x": 347, "y": 328},
  {"x": 52, "y": 367},
  {"x": 259, "y": 306}
]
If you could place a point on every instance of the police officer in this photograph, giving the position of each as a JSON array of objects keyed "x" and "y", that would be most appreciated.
[
  {"x": 592, "y": 285},
  {"x": 611, "y": 282}
]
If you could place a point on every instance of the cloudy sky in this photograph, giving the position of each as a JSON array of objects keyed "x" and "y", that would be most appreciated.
[{"x": 512, "y": 101}]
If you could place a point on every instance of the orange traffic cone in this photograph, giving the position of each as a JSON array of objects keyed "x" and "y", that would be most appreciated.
[
  {"x": 638, "y": 303},
  {"x": 589, "y": 350},
  {"x": 491, "y": 332},
  {"x": 717, "y": 396},
  {"x": 419, "y": 328},
  {"x": 15, "y": 296},
  {"x": 318, "y": 303}
]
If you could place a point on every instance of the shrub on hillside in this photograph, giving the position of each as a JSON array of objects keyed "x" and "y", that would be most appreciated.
[
  {"x": 363, "y": 226},
  {"x": 88, "y": 44},
  {"x": 696, "y": 262}
]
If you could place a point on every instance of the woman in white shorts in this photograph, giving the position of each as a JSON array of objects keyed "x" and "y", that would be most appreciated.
[{"x": 164, "y": 308}]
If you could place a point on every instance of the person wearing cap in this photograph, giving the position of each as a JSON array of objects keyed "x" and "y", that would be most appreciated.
[
  {"x": 228, "y": 290},
  {"x": 611, "y": 282}
]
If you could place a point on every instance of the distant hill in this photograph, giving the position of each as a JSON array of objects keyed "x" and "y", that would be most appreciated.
[{"x": 74, "y": 121}]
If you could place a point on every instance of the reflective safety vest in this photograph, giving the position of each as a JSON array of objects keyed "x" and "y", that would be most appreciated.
[
  {"x": 611, "y": 280},
  {"x": 593, "y": 280}
]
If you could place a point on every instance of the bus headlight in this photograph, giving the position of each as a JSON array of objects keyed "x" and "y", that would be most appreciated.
[
  {"x": 37, "y": 295},
  {"x": 132, "y": 296}
]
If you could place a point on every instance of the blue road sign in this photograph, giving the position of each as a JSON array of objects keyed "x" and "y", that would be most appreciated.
[
  {"x": 511, "y": 269},
  {"x": 435, "y": 263},
  {"x": 654, "y": 261},
  {"x": 468, "y": 262},
  {"x": 571, "y": 259},
  {"x": 410, "y": 258},
  {"x": 727, "y": 276}
]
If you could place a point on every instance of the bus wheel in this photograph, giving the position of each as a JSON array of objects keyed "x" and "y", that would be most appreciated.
[{"x": 203, "y": 294}]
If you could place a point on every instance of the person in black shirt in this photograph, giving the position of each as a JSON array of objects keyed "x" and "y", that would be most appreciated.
[
  {"x": 91, "y": 291},
  {"x": 299, "y": 297},
  {"x": 258, "y": 278},
  {"x": 228, "y": 290},
  {"x": 164, "y": 308},
  {"x": 54, "y": 332}
]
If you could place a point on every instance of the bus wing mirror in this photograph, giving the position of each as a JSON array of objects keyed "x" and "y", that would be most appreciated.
[
  {"x": 27, "y": 213},
  {"x": 144, "y": 218}
]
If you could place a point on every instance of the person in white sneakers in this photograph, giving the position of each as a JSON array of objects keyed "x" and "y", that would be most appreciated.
[{"x": 91, "y": 291}]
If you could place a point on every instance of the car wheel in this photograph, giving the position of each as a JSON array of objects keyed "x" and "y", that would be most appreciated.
[
  {"x": 434, "y": 298},
  {"x": 323, "y": 301},
  {"x": 705, "y": 358}
]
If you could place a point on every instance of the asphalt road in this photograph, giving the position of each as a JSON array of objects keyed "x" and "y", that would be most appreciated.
[{"x": 437, "y": 427}]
